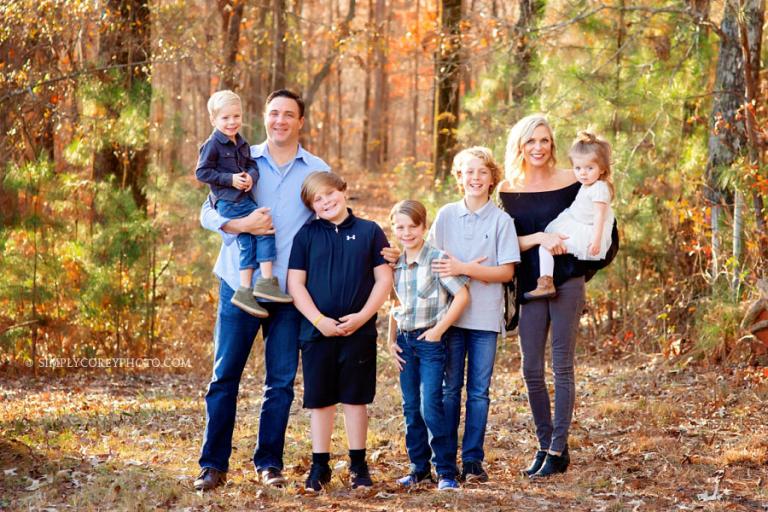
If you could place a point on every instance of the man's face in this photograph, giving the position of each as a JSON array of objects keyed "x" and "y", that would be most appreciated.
[{"x": 282, "y": 121}]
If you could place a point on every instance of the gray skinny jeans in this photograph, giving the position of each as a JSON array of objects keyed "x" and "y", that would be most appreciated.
[{"x": 561, "y": 314}]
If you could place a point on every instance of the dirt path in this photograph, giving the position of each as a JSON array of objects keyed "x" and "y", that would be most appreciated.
[{"x": 646, "y": 437}]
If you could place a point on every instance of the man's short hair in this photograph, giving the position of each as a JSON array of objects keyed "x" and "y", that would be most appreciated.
[
  {"x": 318, "y": 180},
  {"x": 285, "y": 93},
  {"x": 221, "y": 99}
]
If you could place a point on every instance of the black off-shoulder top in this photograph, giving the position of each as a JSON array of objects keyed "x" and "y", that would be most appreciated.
[{"x": 531, "y": 212}]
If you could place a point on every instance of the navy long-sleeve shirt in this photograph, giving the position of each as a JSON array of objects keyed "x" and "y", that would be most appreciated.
[{"x": 220, "y": 159}]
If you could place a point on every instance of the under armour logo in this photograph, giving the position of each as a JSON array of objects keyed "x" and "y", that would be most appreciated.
[{"x": 350, "y": 237}]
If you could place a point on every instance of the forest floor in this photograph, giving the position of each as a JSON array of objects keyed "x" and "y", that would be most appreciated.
[{"x": 646, "y": 436}]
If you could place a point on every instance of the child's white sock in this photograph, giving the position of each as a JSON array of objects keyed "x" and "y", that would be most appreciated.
[{"x": 546, "y": 262}]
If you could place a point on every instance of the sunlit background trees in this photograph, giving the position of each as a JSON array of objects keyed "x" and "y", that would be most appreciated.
[{"x": 103, "y": 108}]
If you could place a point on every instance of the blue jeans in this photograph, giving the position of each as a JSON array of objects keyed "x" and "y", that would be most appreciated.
[
  {"x": 479, "y": 349},
  {"x": 233, "y": 339},
  {"x": 425, "y": 425},
  {"x": 254, "y": 249}
]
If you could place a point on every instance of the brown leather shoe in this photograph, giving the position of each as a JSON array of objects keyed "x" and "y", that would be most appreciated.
[
  {"x": 545, "y": 288},
  {"x": 210, "y": 478}
]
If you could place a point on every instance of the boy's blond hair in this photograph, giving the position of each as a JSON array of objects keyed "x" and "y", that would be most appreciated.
[
  {"x": 221, "y": 99},
  {"x": 483, "y": 154},
  {"x": 318, "y": 180},
  {"x": 412, "y": 209}
]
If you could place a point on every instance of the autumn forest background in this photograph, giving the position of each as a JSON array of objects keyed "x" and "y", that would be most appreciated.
[{"x": 102, "y": 110}]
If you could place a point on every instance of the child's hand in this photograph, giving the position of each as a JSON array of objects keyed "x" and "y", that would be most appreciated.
[
  {"x": 350, "y": 323},
  {"x": 329, "y": 327},
  {"x": 594, "y": 248},
  {"x": 250, "y": 182},
  {"x": 240, "y": 182},
  {"x": 553, "y": 242},
  {"x": 394, "y": 351},
  {"x": 451, "y": 266},
  {"x": 432, "y": 335}
]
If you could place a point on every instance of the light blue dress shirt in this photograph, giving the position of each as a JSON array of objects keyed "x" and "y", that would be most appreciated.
[
  {"x": 489, "y": 232},
  {"x": 280, "y": 191}
]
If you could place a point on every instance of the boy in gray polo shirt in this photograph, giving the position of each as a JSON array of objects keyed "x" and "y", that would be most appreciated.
[{"x": 482, "y": 243}]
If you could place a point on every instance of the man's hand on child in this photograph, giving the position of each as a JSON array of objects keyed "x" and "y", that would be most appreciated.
[
  {"x": 350, "y": 323},
  {"x": 391, "y": 254},
  {"x": 329, "y": 327},
  {"x": 394, "y": 351},
  {"x": 432, "y": 335},
  {"x": 240, "y": 181}
]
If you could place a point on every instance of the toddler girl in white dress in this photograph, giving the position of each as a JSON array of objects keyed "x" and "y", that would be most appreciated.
[{"x": 589, "y": 220}]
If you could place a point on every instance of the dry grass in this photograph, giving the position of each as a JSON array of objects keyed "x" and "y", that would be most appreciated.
[{"x": 96, "y": 442}]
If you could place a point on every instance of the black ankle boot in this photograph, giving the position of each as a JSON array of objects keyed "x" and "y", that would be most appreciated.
[
  {"x": 538, "y": 461},
  {"x": 554, "y": 464}
]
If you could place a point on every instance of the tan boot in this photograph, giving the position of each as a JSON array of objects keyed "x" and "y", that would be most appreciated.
[{"x": 545, "y": 289}]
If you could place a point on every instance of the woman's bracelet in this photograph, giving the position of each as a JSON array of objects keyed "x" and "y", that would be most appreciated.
[{"x": 317, "y": 320}]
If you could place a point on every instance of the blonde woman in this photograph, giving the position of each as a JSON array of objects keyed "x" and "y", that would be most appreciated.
[{"x": 534, "y": 192}]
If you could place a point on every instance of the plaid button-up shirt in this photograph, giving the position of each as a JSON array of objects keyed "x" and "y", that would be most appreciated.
[{"x": 424, "y": 296}]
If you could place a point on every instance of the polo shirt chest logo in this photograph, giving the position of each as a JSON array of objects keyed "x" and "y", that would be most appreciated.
[{"x": 350, "y": 237}]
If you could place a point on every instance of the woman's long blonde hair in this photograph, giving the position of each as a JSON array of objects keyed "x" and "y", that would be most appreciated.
[{"x": 519, "y": 135}]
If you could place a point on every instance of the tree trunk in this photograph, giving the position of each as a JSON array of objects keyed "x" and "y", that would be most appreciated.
[
  {"x": 750, "y": 37},
  {"x": 523, "y": 53},
  {"x": 127, "y": 44},
  {"x": 232, "y": 16},
  {"x": 620, "y": 34},
  {"x": 370, "y": 37},
  {"x": 279, "y": 43},
  {"x": 378, "y": 124},
  {"x": 447, "y": 78},
  {"x": 317, "y": 80},
  {"x": 414, "y": 139},
  {"x": 727, "y": 137}
]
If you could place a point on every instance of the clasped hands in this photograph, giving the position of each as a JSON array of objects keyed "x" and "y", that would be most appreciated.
[{"x": 344, "y": 326}]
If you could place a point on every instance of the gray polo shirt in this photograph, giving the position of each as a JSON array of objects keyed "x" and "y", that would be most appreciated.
[{"x": 468, "y": 235}]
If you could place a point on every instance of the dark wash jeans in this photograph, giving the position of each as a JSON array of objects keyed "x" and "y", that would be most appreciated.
[
  {"x": 233, "y": 338},
  {"x": 560, "y": 315},
  {"x": 254, "y": 249},
  {"x": 478, "y": 348},
  {"x": 421, "y": 382}
]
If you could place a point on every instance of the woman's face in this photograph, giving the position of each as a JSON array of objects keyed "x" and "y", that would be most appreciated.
[{"x": 538, "y": 149}]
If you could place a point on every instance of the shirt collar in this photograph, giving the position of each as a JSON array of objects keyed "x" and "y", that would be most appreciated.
[
  {"x": 421, "y": 259},
  {"x": 262, "y": 149},
  {"x": 345, "y": 223},
  {"x": 223, "y": 139},
  {"x": 482, "y": 212}
]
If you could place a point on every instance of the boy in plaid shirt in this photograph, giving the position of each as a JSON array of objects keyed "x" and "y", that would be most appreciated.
[{"x": 416, "y": 342}]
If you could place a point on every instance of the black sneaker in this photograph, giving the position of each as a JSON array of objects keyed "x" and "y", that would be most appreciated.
[
  {"x": 473, "y": 472},
  {"x": 361, "y": 477},
  {"x": 319, "y": 476}
]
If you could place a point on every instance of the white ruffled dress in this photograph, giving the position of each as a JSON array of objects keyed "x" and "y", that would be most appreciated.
[{"x": 577, "y": 221}]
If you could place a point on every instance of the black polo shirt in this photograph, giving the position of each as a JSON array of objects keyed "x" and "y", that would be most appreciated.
[
  {"x": 219, "y": 160},
  {"x": 339, "y": 262}
]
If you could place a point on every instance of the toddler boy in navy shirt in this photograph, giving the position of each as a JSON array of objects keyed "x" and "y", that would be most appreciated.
[
  {"x": 226, "y": 165},
  {"x": 338, "y": 280}
]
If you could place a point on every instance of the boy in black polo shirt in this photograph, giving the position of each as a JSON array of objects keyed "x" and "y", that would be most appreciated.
[{"x": 338, "y": 280}]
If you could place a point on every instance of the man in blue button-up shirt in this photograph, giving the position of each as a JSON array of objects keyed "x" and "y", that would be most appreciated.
[{"x": 283, "y": 165}]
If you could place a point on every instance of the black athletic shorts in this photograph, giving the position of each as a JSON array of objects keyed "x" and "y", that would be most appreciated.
[{"x": 339, "y": 370}]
